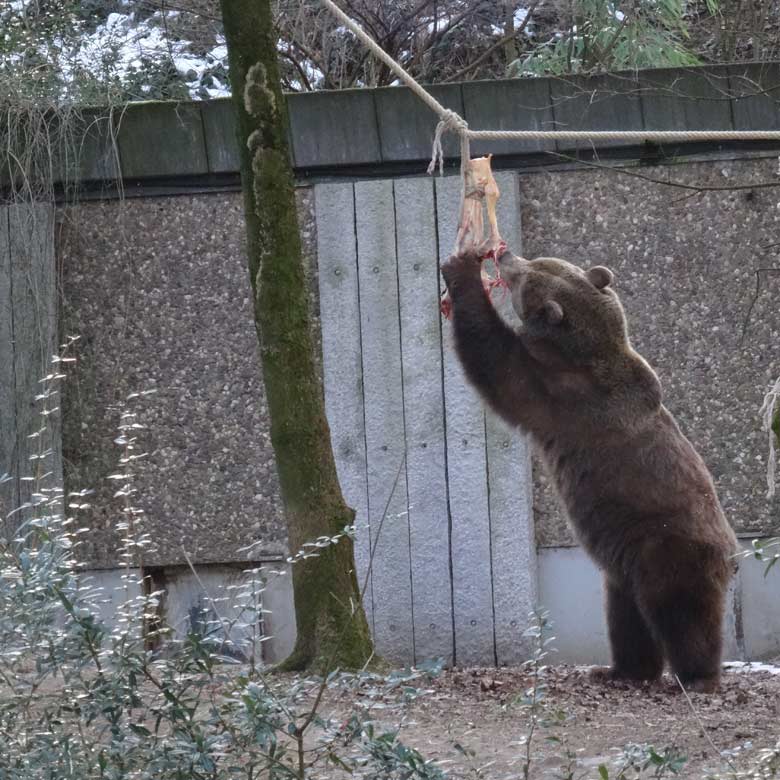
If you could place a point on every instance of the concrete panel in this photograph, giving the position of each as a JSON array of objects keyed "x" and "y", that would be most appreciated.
[
  {"x": 753, "y": 89},
  {"x": 158, "y": 290},
  {"x": 85, "y": 150},
  {"x": 686, "y": 279},
  {"x": 278, "y": 612},
  {"x": 466, "y": 476},
  {"x": 513, "y": 552},
  {"x": 508, "y": 210},
  {"x": 114, "y": 593},
  {"x": 219, "y": 128},
  {"x": 342, "y": 360},
  {"x": 222, "y": 601},
  {"x": 513, "y": 104},
  {"x": 760, "y": 609},
  {"x": 329, "y": 128},
  {"x": 98, "y": 154},
  {"x": 407, "y": 125},
  {"x": 686, "y": 99},
  {"x": 162, "y": 139},
  {"x": 596, "y": 103},
  {"x": 570, "y": 588},
  {"x": 188, "y": 604},
  {"x": 733, "y": 628},
  {"x": 418, "y": 285},
  {"x": 385, "y": 428}
]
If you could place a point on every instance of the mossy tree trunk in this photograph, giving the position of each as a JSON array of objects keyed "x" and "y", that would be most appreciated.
[{"x": 330, "y": 621}]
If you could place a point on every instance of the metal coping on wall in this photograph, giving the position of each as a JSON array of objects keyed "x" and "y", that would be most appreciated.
[{"x": 168, "y": 148}]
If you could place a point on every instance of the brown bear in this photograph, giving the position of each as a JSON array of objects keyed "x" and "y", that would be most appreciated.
[{"x": 639, "y": 496}]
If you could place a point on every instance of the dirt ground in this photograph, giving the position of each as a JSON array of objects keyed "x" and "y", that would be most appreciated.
[{"x": 479, "y": 709}]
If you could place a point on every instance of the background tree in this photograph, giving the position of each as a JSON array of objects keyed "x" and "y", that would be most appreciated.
[
  {"x": 599, "y": 35},
  {"x": 329, "y": 616},
  {"x": 452, "y": 40},
  {"x": 96, "y": 50}
]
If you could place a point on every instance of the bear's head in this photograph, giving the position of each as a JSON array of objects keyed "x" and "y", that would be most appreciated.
[{"x": 569, "y": 315}]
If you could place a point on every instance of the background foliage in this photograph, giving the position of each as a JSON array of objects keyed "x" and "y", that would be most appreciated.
[{"x": 103, "y": 52}]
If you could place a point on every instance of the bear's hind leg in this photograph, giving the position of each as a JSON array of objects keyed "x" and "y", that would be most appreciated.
[
  {"x": 635, "y": 653},
  {"x": 689, "y": 624},
  {"x": 681, "y": 590}
]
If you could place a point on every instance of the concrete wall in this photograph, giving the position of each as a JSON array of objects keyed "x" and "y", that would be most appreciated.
[
  {"x": 366, "y": 130},
  {"x": 134, "y": 290},
  {"x": 158, "y": 291},
  {"x": 132, "y": 273},
  {"x": 685, "y": 265},
  {"x": 570, "y": 589},
  {"x": 441, "y": 487},
  {"x": 251, "y": 609},
  {"x": 156, "y": 287}
]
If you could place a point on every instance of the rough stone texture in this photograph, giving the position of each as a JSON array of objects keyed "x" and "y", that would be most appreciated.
[
  {"x": 685, "y": 266},
  {"x": 158, "y": 291},
  {"x": 685, "y": 270}
]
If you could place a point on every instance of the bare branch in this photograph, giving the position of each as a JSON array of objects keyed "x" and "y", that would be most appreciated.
[
  {"x": 667, "y": 182},
  {"x": 754, "y": 299},
  {"x": 501, "y": 42}
]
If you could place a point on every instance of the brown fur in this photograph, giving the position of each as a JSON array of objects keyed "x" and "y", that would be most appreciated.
[{"x": 639, "y": 496}]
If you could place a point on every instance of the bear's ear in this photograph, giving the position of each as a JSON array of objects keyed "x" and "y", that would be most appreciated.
[
  {"x": 600, "y": 276},
  {"x": 553, "y": 312}
]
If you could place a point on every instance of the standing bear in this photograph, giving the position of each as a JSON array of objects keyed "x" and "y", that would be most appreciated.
[{"x": 639, "y": 496}]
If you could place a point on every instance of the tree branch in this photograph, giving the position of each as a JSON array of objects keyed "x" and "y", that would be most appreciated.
[
  {"x": 754, "y": 299},
  {"x": 667, "y": 182},
  {"x": 602, "y": 53},
  {"x": 501, "y": 42},
  {"x": 297, "y": 65}
]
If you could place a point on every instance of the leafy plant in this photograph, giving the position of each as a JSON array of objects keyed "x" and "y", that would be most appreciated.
[
  {"x": 645, "y": 761},
  {"x": 601, "y": 35},
  {"x": 533, "y": 699},
  {"x": 84, "y": 699},
  {"x": 765, "y": 551},
  {"x": 68, "y": 53}
]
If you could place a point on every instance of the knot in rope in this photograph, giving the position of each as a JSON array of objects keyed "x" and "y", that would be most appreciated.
[{"x": 448, "y": 121}]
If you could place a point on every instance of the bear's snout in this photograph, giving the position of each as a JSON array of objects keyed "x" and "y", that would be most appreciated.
[{"x": 511, "y": 266}]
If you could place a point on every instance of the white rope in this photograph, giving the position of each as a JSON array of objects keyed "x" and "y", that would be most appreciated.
[
  {"x": 627, "y": 135},
  {"x": 768, "y": 409},
  {"x": 421, "y": 93},
  {"x": 451, "y": 121}
]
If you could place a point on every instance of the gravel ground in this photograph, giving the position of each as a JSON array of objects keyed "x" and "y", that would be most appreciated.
[{"x": 481, "y": 710}]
